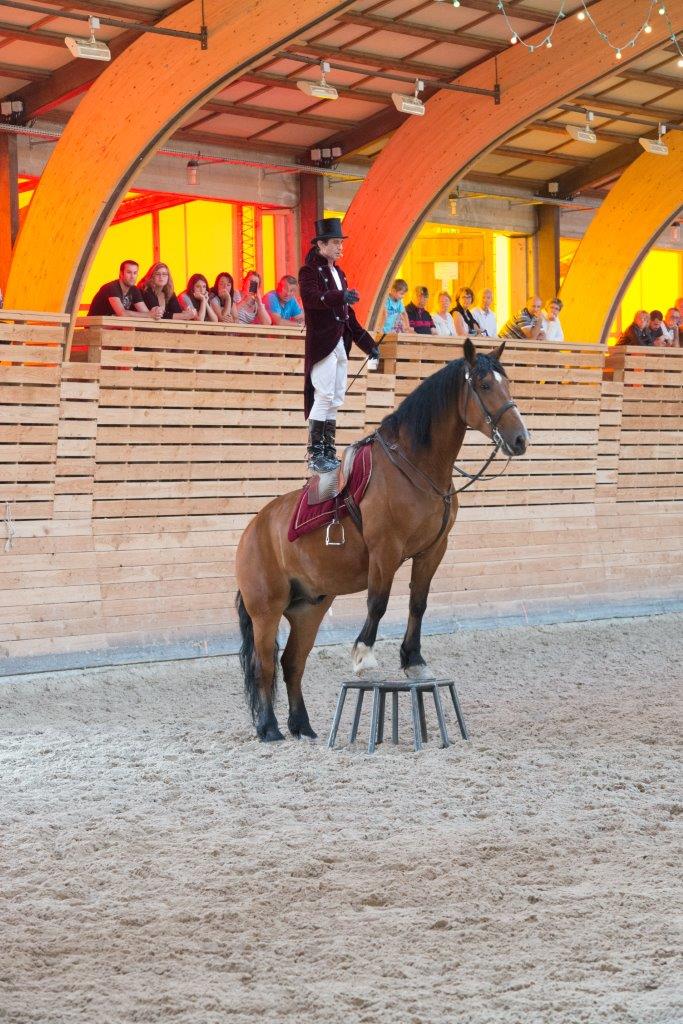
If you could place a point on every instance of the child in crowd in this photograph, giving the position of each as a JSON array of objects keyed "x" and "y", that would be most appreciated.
[{"x": 396, "y": 318}]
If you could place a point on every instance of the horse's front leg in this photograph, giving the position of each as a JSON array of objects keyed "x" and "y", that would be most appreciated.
[
  {"x": 424, "y": 567},
  {"x": 381, "y": 572}
]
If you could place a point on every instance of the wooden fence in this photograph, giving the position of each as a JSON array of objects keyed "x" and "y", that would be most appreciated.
[{"x": 127, "y": 477}]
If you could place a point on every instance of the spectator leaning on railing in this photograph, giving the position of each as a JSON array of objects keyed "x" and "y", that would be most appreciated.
[
  {"x": 443, "y": 321},
  {"x": 552, "y": 328},
  {"x": 122, "y": 297},
  {"x": 637, "y": 333},
  {"x": 484, "y": 314},
  {"x": 222, "y": 298},
  {"x": 671, "y": 328},
  {"x": 157, "y": 290},
  {"x": 420, "y": 320},
  {"x": 250, "y": 308},
  {"x": 196, "y": 296},
  {"x": 281, "y": 303},
  {"x": 528, "y": 323}
]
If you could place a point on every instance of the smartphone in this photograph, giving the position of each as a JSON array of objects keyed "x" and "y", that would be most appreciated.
[{"x": 253, "y": 286}]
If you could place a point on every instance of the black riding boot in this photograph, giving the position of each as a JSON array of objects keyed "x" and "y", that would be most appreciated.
[
  {"x": 329, "y": 446},
  {"x": 317, "y": 460}
]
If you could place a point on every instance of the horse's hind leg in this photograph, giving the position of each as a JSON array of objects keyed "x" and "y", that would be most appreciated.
[
  {"x": 265, "y": 672},
  {"x": 423, "y": 569},
  {"x": 304, "y": 620}
]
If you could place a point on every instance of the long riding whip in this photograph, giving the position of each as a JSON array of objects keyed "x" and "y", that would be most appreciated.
[{"x": 363, "y": 364}]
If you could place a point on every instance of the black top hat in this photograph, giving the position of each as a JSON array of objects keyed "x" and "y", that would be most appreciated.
[{"x": 326, "y": 229}]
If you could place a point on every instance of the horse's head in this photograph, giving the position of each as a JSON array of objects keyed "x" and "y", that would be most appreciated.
[{"x": 486, "y": 402}]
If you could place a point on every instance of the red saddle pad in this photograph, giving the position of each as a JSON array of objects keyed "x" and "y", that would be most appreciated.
[{"x": 307, "y": 517}]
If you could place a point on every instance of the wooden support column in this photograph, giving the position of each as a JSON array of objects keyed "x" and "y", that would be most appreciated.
[
  {"x": 311, "y": 207},
  {"x": 9, "y": 203},
  {"x": 548, "y": 238}
]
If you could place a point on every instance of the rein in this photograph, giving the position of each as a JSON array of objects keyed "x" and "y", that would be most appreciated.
[{"x": 394, "y": 453}]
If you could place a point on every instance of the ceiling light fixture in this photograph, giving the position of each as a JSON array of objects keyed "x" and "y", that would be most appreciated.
[
  {"x": 88, "y": 49},
  {"x": 656, "y": 146},
  {"x": 410, "y": 104},
  {"x": 192, "y": 170},
  {"x": 580, "y": 134},
  {"x": 320, "y": 90}
]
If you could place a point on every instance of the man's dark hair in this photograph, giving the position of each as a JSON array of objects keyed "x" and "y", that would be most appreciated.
[
  {"x": 128, "y": 263},
  {"x": 656, "y": 314}
]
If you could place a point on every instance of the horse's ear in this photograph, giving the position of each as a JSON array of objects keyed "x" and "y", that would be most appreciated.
[
  {"x": 469, "y": 352},
  {"x": 497, "y": 353}
]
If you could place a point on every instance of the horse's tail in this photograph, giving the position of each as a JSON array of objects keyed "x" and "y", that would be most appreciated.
[{"x": 248, "y": 658}]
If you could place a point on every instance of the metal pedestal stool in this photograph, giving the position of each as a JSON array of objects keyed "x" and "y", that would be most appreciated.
[{"x": 380, "y": 689}]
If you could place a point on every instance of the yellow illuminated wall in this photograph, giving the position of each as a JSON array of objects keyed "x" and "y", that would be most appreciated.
[
  {"x": 656, "y": 284},
  {"x": 130, "y": 240}
]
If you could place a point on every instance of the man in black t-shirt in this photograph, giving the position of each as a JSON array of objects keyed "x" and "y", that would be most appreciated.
[
  {"x": 122, "y": 298},
  {"x": 418, "y": 317}
]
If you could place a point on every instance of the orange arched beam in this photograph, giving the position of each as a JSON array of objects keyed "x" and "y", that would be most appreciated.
[
  {"x": 647, "y": 197},
  {"x": 128, "y": 112},
  {"x": 426, "y": 154}
]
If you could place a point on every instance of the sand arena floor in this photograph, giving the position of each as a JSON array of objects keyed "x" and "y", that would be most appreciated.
[{"x": 160, "y": 865}]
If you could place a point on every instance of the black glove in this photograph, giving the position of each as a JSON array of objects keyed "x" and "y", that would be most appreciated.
[
  {"x": 374, "y": 352},
  {"x": 351, "y": 296}
]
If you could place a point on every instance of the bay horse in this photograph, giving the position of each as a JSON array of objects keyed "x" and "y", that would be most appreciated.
[{"x": 408, "y": 510}]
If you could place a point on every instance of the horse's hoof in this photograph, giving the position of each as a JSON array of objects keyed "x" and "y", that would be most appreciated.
[
  {"x": 271, "y": 735},
  {"x": 363, "y": 659},
  {"x": 299, "y": 729},
  {"x": 418, "y": 672}
]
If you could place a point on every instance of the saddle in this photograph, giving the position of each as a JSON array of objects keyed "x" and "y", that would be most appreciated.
[{"x": 326, "y": 498}]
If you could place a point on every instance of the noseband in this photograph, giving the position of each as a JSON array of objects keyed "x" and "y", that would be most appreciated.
[{"x": 493, "y": 419}]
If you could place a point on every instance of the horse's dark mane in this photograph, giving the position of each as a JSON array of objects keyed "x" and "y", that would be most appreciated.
[{"x": 423, "y": 407}]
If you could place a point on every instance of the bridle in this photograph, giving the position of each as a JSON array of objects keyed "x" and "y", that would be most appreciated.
[{"x": 492, "y": 419}]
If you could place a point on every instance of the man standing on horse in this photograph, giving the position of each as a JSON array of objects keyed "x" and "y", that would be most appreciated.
[{"x": 331, "y": 326}]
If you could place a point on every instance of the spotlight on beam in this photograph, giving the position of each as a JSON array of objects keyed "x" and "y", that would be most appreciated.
[
  {"x": 410, "y": 104},
  {"x": 656, "y": 146},
  {"x": 319, "y": 90},
  {"x": 88, "y": 49},
  {"x": 585, "y": 134}
]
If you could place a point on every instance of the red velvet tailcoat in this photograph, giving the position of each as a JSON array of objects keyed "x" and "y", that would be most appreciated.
[{"x": 328, "y": 318}]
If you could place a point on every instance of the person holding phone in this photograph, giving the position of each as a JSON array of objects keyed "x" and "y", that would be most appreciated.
[
  {"x": 331, "y": 327},
  {"x": 250, "y": 309},
  {"x": 528, "y": 323}
]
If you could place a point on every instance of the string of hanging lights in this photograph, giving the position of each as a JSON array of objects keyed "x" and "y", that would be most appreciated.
[{"x": 585, "y": 15}]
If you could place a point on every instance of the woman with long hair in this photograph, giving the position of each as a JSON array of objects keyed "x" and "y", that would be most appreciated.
[
  {"x": 157, "y": 290},
  {"x": 223, "y": 297},
  {"x": 250, "y": 308},
  {"x": 196, "y": 296}
]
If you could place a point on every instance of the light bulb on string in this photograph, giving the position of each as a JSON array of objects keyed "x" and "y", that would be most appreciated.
[
  {"x": 679, "y": 62},
  {"x": 648, "y": 28},
  {"x": 549, "y": 44},
  {"x": 513, "y": 39},
  {"x": 662, "y": 10},
  {"x": 581, "y": 15},
  {"x": 618, "y": 55}
]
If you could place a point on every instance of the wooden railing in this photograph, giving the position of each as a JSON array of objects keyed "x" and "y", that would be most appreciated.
[{"x": 126, "y": 480}]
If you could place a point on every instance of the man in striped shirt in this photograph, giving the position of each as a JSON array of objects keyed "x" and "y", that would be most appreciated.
[{"x": 528, "y": 323}]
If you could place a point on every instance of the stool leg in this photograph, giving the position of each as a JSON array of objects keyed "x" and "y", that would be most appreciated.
[
  {"x": 423, "y": 717},
  {"x": 440, "y": 716},
  {"x": 394, "y": 717},
  {"x": 458, "y": 712},
  {"x": 380, "y": 724},
  {"x": 356, "y": 717},
  {"x": 374, "y": 722},
  {"x": 337, "y": 717},
  {"x": 417, "y": 727}
]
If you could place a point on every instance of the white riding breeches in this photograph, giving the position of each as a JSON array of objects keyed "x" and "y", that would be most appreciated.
[{"x": 329, "y": 381}]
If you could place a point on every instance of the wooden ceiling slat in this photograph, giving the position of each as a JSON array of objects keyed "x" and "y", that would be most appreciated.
[
  {"x": 651, "y": 78},
  {"x": 551, "y": 156},
  {"x": 372, "y": 60},
  {"x": 26, "y": 74},
  {"x": 436, "y": 35},
  {"x": 27, "y": 35},
  {"x": 286, "y": 116}
]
